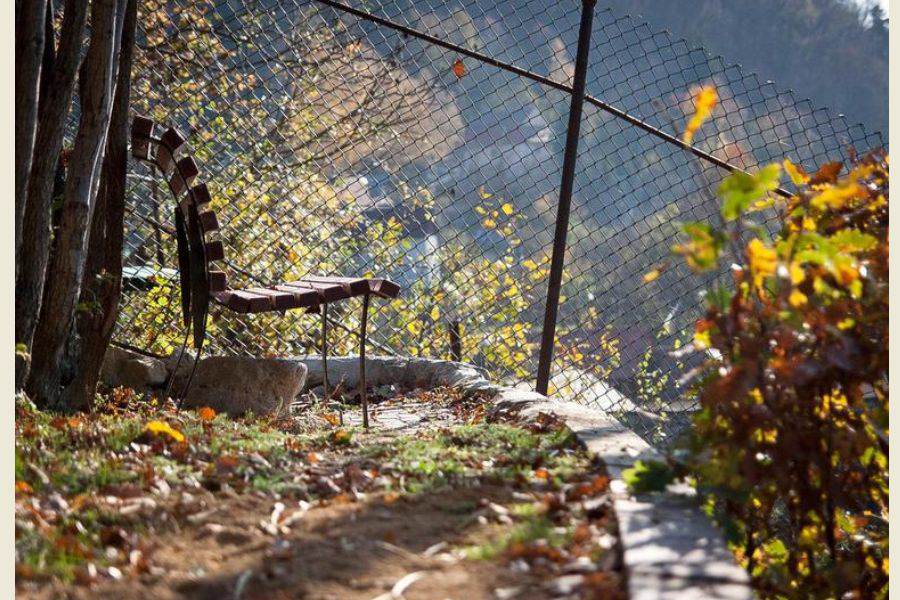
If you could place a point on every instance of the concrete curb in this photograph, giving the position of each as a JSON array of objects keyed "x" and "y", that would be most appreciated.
[{"x": 671, "y": 550}]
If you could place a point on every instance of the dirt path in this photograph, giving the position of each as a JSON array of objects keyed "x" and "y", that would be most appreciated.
[{"x": 422, "y": 507}]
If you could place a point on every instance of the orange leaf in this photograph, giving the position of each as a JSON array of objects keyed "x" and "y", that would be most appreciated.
[
  {"x": 22, "y": 487},
  {"x": 332, "y": 418},
  {"x": 340, "y": 436},
  {"x": 206, "y": 414},
  {"x": 459, "y": 69}
]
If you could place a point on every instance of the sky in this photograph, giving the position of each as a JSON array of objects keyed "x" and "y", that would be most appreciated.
[{"x": 882, "y": 3}]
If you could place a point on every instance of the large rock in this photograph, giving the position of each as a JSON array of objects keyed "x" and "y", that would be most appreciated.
[
  {"x": 407, "y": 372},
  {"x": 129, "y": 369},
  {"x": 239, "y": 384}
]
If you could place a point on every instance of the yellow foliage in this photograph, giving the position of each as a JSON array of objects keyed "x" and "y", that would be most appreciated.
[
  {"x": 161, "y": 428},
  {"x": 651, "y": 276},
  {"x": 704, "y": 102},
  {"x": 795, "y": 173},
  {"x": 762, "y": 259}
]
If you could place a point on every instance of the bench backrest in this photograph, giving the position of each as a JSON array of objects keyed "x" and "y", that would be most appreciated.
[{"x": 200, "y": 250}]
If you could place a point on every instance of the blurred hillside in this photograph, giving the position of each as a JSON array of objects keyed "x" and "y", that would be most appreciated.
[{"x": 832, "y": 51}]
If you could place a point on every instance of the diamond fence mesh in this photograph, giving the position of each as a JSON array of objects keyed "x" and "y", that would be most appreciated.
[{"x": 335, "y": 144}]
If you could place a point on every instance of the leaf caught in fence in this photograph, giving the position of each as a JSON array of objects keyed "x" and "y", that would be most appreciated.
[
  {"x": 459, "y": 69},
  {"x": 704, "y": 102}
]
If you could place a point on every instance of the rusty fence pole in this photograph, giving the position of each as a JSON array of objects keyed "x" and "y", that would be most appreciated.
[{"x": 548, "y": 333}]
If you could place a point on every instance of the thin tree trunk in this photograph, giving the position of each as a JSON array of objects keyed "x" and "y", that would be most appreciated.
[
  {"x": 48, "y": 57},
  {"x": 52, "y": 112},
  {"x": 102, "y": 281},
  {"x": 63, "y": 280},
  {"x": 30, "y": 30}
]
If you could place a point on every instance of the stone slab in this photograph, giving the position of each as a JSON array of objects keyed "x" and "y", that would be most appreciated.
[{"x": 671, "y": 550}]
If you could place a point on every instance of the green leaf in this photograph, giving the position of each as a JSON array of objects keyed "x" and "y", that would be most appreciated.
[
  {"x": 702, "y": 252},
  {"x": 776, "y": 550},
  {"x": 720, "y": 297},
  {"x": 740, "y": 189},
  {"x": 649, "y": 476},
  {"x": 853, "y": 240}
]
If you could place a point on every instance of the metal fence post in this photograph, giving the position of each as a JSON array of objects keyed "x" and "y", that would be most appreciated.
[{"x": 548, "y": 334}]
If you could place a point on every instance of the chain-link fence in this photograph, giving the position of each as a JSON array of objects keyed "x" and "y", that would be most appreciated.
[{"x": 423, "y": 141}]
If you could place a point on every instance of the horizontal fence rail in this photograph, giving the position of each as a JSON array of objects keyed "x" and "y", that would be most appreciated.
[{"x": 425, "y": 141}]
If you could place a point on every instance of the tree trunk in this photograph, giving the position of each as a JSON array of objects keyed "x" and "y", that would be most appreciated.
[
  {"x": 63, "y": 280},
  {"x": 53, "y": 109},
  {"x": 102, "y": 281},
  {"x": 30, "y": 30}
]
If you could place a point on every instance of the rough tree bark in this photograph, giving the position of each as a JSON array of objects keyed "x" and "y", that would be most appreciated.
[
  {"x": 97, "y": 81},
  {"x": 30, "y": 30},
  {"x": 60, "y": 68},
  {"x": 102, "y": 282}
]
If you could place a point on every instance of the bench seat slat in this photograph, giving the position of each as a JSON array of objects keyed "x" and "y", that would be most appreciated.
[
  {"x": 303, "y": 293},
  {"x": 328, "y": 292},
  {"x": 384, "y": 288},
  {"x": 354, "y": 286},
  {"x": 304, "y": 297},
  {"x": 360, "y": 285},
  {"x": 280, "y": 300},
  {"x": 245, "y": 301}
]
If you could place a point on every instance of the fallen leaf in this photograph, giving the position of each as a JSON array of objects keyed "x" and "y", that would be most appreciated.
[
  {"x": 206, "y": 414},
  {"x": 163, "y": 429},
  {"x": 340, "y": 437},
  {"x": 226, "y": 463}
]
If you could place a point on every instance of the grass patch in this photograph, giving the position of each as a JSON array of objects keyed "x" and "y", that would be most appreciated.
[
  {"x": 533, "y": 528},
  {"x": 481, "y": 453}
]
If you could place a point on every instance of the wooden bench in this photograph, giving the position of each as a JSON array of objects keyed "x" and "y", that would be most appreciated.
[{"x": 201, "y": 257}]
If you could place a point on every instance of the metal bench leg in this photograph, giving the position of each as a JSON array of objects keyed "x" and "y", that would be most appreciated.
[
  {"x": 362, "y": 361},
  {"x": 325, "y": 351},
  {"x": 171, "y": 381},
  {"x": 325, "y": 361},
  {"x": 187, "y": 386}
]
